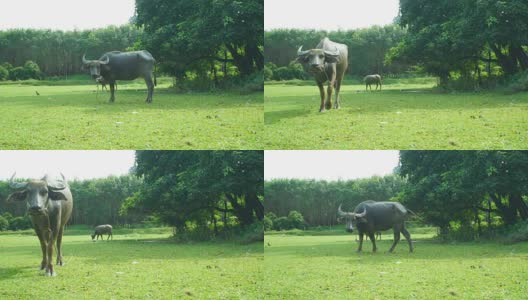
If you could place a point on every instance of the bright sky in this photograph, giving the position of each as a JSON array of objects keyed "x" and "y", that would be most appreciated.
[
  {"x": 73, "y": 164},
  {"x": 328, "y": 14},
  {"x": 328, "y": 165},
  {"x": 64, "y": 14}
]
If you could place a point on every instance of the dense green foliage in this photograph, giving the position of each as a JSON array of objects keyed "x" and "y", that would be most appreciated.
[
  {"x": 451, "y": 187},
  {"x": 464, "y": 36},
  {"x": 366, "y": 47},
  {"x": 317, "y": 201},
  {"x": 195, "y": 36},
  {"x": 294, "y": 220},
  {"x": 71, "y": 114},
  {"x": 407, "y": 114},
  {"x": 326, "y": 264},
  {"x": 59, "y": 53},
  {"x": 200, "y": 188},
  {"x": 96, "y": 201},
  {"x": 137, "y": 263}
]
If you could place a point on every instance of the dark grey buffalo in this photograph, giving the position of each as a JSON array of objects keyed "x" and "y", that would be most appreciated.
[
  {"x": 50, "y": 205},
  {"x": 370, "y": 216},
  {"x": 327, "y": 62},
  {"x": 115, "y": 65},
  {"x": 371, "y": 79},
  {"x": 102, "y": 229}
]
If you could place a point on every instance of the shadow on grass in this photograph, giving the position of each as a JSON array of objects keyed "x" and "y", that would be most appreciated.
[
  {"x": 423, "y": 249},
  {"x": 129, "y": 100},
  {"x": 395, "y": 100},
  {"x": 277, "y": 116},
  {"x": 19, "y": 272}
]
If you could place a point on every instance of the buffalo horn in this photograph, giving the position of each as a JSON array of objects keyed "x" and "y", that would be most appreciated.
[
  {"x": 342, "y": 213},
  {"x": 84, "y": 60},
  {"x": 106, "y": 61},
  {"x": 17, "y": 185},
  {"x": 362, "y": 215},
  {"x": 301, "y": 53}
]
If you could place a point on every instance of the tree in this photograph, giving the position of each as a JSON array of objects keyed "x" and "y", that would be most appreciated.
[
  {"x": 200, "y": 186},
  {"x": 453, "y": 186},
  {"x": 446, "y": 36},
  {"x": 192, "y": 35}
]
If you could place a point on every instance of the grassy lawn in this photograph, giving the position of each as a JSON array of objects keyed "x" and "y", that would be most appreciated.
[
  {"x": 306, "y": 266},
  {"x": 407, "y": 114},
  {"x": 71, "y": 115},
  {"x": 137, "y": 264}
]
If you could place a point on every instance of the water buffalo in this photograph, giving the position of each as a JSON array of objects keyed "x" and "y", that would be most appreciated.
[
  {"x": 370, "y": 79},
  {"x": 102, "y": 229},
  {"x": 117, "y": 65},
  {"x": 50, "y": 205},
  {"x": 370, "y": 216},
  {"x": 327, "y": 62}
]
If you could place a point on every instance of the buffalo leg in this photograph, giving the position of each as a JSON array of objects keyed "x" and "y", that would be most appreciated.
[
  {"x": 337, "y": 103},
  {"x": 328, "y": 103},
  {"x": 112, "y": 91},
  {"x": 150, "y": 88},
  {"x": 407, "y": 236},
  {"x": 360, "y": 242},
  {"x": 59, "y": 246},
  {"x": 396, "y": 239},
  {"x": 43, "y": 247},
  {"x": 373, "y": 240},
  {"x": 322, "y": 94}
]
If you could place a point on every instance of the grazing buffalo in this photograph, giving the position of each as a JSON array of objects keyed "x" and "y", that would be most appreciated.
[
  {"x": 370, "y": 79},
  {"x": 117, "y": 65},
  {"x": 50, "y": 205},
  {"x": 370, "y": 216},
  {"x": 327, "y": 62},
  {"x": 102, "y": 229}
]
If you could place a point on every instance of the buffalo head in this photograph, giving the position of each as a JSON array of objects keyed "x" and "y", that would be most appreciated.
[
  {"x": 37, "y": 193},
  {"x": 316, "y": 58},
  {"x": 352, "y": 218},
  {"x": 95, "y": 65}
]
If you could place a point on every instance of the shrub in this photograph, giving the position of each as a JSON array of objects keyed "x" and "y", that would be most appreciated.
[
  {"x": 517, "y": 233},
  {"x": 18, "y": 73},
  {"x": 282, "y": 223},
  {"x": 4, "y": 224},
  {"x": 296, "y": 219},
  {"x": 271, "y": 216},
  {"x": 32, "y": 70},
  {"x": 268, "y": 73},
  {"x": 518, "y": 83},
  {"x": 4, "y": 73},
  {"x": 20, "y": 223},
  {"x": 8, "y": 66},
  {"x": 268, "y": 223},
  {"x": 283, "y": 73}
]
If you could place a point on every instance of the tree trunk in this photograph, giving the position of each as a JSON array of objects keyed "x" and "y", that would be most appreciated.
[
  {"x": 509, "y": 65},
  {"x": 519, "y": 205},
  {"x": 507, "y": 212}
]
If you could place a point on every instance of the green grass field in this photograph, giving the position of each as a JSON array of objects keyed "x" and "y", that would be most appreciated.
[
  {"x": 137, "y": 264},
  {"x": 72, "y": 115},
  {"x": 325, "y": 265},
  {"x": 407, "y": 114}
]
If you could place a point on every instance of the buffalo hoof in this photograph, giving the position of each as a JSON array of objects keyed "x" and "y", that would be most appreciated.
[
  {"x": 322, "y": 110},
  {"x": 50, "y": 274}
]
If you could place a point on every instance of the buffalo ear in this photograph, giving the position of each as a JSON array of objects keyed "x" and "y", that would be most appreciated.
[
  {"x": 302, "y": 59},
  {"x": 331, "y": 58},
  {"x": 17, "y": 196},
  {"x": 57, "y": 195}
]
